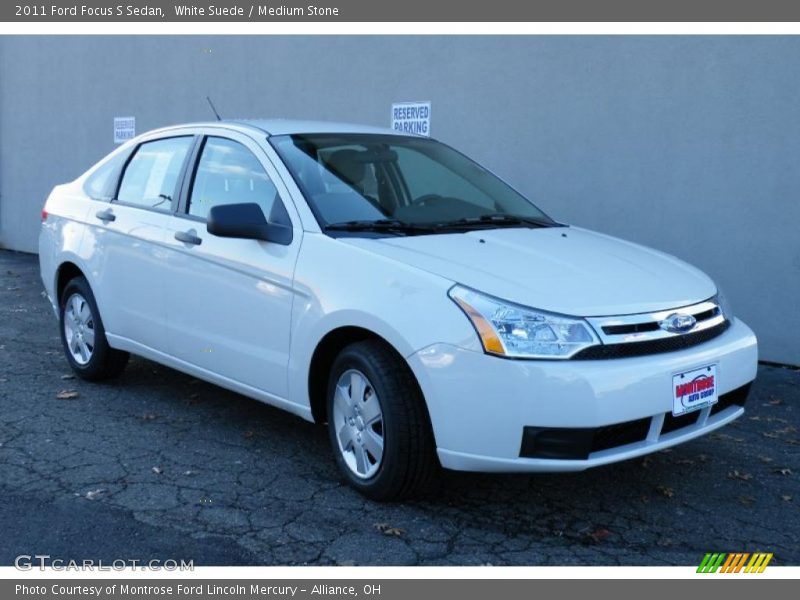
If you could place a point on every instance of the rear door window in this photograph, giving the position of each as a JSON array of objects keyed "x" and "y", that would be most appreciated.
[{"x": 151, "y": 177}]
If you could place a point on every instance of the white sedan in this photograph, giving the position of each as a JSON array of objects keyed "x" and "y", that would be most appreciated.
[{"x": 387, "y": 285}]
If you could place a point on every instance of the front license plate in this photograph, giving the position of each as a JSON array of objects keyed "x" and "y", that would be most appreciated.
[{"x": 693, "y": 390}]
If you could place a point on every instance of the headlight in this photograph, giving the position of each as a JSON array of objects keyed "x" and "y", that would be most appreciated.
[
  {"x": 724, "y": 304},
  {"x": 516, "y": 331}
]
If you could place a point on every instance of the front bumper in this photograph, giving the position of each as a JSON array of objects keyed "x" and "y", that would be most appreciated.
[{"x": 481, "y": 405}]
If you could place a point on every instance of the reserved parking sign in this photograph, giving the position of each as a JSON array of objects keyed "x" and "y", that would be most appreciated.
[
  {"x": 412, "y": 117},
  {"x": 124, "y": 129}
]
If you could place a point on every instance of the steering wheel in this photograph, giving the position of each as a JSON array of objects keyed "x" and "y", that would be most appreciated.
[{"x": 425, "y": 198}]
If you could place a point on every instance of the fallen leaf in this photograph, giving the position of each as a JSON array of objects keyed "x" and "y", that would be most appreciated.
[
  {"x": 149, "y": 417},
  {"x": 786, "y": 498},
  {"x": 775, "y": 402},
  {"x": 599, "y": 535},
  {"x": 67, "y": 376},
  {"x": 775, "y": 420},
  {"x": 765, "y": 459},
  {"x": 387, "y": 529},
  {"x": 784, "y": 471},
  {"x": 94, "y": 494},
  {"x": 787, "y": 429},
  {"x": 67, "y": 395},
  {"x": 741, "y": 475},
  {"x": 647, "y": 461},
  {"x": 746, "y": 500},
  {"x": 664, "y": 541},
  {"x": 248, "y": 434},
  {"x": 725, "y": 436},
  {"x": 665, "y": 491},
  {"x": 702, "y": 457},
  {"x": 189, "y": 472},
  {"x": 684, "y": 461},
  {"x": 158, "y": 470}
]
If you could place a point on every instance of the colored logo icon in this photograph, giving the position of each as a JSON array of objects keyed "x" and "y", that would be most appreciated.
[{"x": 735, "y": 562}]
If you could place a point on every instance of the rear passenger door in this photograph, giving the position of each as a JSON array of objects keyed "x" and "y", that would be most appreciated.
[
  {"x": 230, "y": 299},
  {"x": 125, "y": 248}
]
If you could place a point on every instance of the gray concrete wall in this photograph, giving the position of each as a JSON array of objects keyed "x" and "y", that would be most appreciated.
[{"x": 687, "y": 144}]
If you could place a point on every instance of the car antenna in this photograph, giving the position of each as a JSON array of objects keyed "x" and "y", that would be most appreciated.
[{"x": 211, "y": 104}]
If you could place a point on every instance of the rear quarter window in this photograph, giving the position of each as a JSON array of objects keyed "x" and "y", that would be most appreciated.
[{"x": 102, "y": 184}]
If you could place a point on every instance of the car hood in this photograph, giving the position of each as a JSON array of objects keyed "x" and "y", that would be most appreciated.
[{"x": 568, "y": 270}]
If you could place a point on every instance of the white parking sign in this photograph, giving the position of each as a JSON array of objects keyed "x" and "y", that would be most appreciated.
[
  {"x": 412, "y": 117},
  {"x": 124, "y": 129}
]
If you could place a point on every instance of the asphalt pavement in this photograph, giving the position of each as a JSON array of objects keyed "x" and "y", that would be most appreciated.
[{"x": 159, "y": 465}]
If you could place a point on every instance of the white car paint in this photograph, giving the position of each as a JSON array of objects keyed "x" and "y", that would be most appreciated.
[
  {"x": 574, "y": 272},
  {"x": 249, "y": 315}
]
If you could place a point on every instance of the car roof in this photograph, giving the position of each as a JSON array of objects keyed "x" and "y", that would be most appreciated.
[{"x": 290, "y": 126}]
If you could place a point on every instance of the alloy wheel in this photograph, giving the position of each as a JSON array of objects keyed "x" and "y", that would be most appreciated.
[{"x": 358, "y": 421}]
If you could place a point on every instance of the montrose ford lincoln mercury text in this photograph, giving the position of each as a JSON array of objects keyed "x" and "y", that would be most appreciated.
[{"x": 387, "y": 285}]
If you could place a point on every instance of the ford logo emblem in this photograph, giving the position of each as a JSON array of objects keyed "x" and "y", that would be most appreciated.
[{"x": 678, "y": 323}]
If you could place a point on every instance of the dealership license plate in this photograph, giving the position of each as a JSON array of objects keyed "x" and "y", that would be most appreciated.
[{"x": 693, "y": 390}]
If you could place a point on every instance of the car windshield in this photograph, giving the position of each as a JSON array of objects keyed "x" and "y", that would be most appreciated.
[{"x": 399, "y": 185}]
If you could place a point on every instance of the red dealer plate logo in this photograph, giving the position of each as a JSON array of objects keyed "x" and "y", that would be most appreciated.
[{"x": 693, "y": 390}]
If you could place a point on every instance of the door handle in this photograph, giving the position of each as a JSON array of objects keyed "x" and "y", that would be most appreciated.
[
  {"x": 106, "y": 215},
  {"x": 188, "y": 237}
]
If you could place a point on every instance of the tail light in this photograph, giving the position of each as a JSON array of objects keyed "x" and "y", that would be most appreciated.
[{"x": 44, "y": 215}]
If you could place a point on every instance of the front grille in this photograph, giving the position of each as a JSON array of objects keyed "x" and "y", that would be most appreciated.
[
  {"x": 632, "y": 328},
  {"x": 620, "y": 434},
  {"x": 671, "y": 422},
  {"x": 658, "y": 346},
  {"x": 735, "y": 398}
]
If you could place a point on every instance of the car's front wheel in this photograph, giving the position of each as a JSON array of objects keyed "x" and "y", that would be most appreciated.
[
  {"x": 83, "y": 334},
  {"x": 378, "y": 424}
]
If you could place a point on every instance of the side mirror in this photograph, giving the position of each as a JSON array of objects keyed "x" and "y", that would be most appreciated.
[{"x": 246, "y": 221}]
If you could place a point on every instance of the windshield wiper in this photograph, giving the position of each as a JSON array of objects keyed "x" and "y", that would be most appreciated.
[
  {"x": 380, "y": 225},
  {"x": 496, "y": 220}
]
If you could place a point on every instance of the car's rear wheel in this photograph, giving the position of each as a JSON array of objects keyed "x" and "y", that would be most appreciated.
[
  {"x": 378, "y": 424},
  {"x": 83, "y": 335}
]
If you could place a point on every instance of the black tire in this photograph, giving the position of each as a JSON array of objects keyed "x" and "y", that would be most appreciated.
[
  {"x": 104, "y": 362},
  {"x": 409, "y": 463}
]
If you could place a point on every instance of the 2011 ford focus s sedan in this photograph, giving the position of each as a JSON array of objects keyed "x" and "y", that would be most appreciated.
[{"x": 394, "y": 289}]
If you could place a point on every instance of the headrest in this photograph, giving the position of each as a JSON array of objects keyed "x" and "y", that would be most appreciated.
[{"x": 346, "y": 165}]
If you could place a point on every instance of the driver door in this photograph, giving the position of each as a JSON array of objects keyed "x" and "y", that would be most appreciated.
[{"x": 230, "y": 299}]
